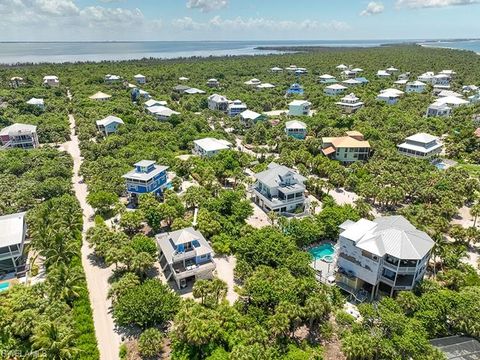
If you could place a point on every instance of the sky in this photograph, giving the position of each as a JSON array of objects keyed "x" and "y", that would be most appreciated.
[{"x": 124, "y": 20}]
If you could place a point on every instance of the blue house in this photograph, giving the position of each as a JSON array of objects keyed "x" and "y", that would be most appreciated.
[
  {"x": 296, "y": 129},
  {"x": 295, "y": 89},
  {"x": 185, "y": 255},
  {"x": 109, "y": 125},
  {"x": 147, "y": 177},
  {"x": 362, "y": 80}
]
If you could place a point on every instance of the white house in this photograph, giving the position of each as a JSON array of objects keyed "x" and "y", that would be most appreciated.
[
  {"x": 100, "y": 96},
  {"x": 296, "y": 129},
  {"x": 391, "y": 70},
  {"x": 140, "y": 79},
  {"x": 351, "y": 82},
  {"x": 348, "y": 74},
  {"x": 153, "y": 102},
  {"x": 194, "y": 91},
  {"x": 445, "y": 93},
  {"x": 110, "y": 79},
  {"x": 342, "y": 67},
  {"x": 382, "y": 74},
  {"x": 208, "y": 147},
  {"x": 213, "y": 83},
  {"x": 279, "y": 189},
  {"x": 109, "y": 125},
  {"x": 276, "y": 69},
  {"x": 452, "y": 101},
  {"x": 161, "y": 112},
  {"x": 253, "y": 82},
  {"x": 37, "y": 102},
  {"x": 299, "y": 108},
  {"x": 334, "y": 89},
  {"x": 236, "y": 107},
  {"x": 426, "y": 77},
  {"x": 415, "y": 87},
  {"x": 356, "y": 70},
  {"x": 350, "y": 103},
  {"x": 402, "y": 82},
  {"x": 16, "y": 82},
  {"x": 390, "y": 96},
  {"x": 51, "y": 80},
  {"x": 265, "y": 86},
  {"x": 382, "y": 256},
  {"x": 12, "y": 243},
  {"x": 441, "y": 79},
  {"x": 183, "y": 78},
  {"x": 421, "y": 145},
  {"x": 469, "y": 88},
  {"x": 218, "y": 102},
  {"x": 327, "y": 79},
  {"x": 439, "y": 110},
  {"x": 23, "y": 136},
  {"x": 449, "y": 73}
]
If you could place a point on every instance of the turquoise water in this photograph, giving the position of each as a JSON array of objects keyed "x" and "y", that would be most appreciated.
[
  {"x": 322, "y": 251},
  {"x": 4, "y": 286}
]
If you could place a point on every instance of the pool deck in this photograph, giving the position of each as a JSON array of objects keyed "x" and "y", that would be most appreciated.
[{"x": 323, "y": 268}]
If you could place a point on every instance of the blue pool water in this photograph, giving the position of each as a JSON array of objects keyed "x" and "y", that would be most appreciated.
[
  {"x": 4, "y": 286},
  {"x": 322, "y": 252}
]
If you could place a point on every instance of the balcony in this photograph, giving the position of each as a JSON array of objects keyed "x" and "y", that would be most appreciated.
[
  {"x": 182, "y": 272},
  {"x": 187, "y": 254},
  {"x": 274, "y": 201}
]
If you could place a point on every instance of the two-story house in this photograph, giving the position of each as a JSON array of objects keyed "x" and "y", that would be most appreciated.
[
  {"x": 439, "y": 110},
  {"x": 185, "y": 255},
  {"x": 236, "y": 107},
  {"x": 109, "y": 125},
  {"x": 22, "y": 136},
  {"x": 327, "y": 79},
  {"x": 296, "y": 129},
  {"x": 110, "y": 79},
  {"x": 299, "y": 108},
  {"x": 218, "y": 103},
  {"x": 140, "y": 79},
  {"x": 382, "y": 256},
  {"x": 249, "y": 117},
  {"x": 100, "y": 96},
  {"x": 147, "y": 177},
  {"x": 334, "y": 89},
  {"x": 39, "y": 103},
  {"x": 12, "y": 242},
  {"x": 350, "y": 103},
  {"x": 346, "y": 149},
  {"x": 213, "y": 83},
  {"x": 279, "y": 189},
  {"x": 415, "y": 87},
  {"x": 390, "y": 96},
  {"x": 421, "y": 146},
  {"x": 51, "y": 80},
  {"x": 295, "y": 89}
]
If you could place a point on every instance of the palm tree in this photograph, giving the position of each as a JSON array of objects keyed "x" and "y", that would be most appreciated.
[
  {"x": 475, "y": 212},
  {"x": 64, "y": 282},
  {"x": 54, "y": 340},
  {"x": 141, "y": 263}
]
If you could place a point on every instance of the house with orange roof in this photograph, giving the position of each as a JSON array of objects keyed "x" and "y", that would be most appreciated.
[{"x": 346, "y": 149}]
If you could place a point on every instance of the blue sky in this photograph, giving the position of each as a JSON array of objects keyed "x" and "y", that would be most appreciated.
[{"x": 237, "y": 19}]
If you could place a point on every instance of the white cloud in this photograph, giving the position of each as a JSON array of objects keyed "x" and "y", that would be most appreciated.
[
  {"x": 239, "y": 23},
  {"x": 434, "y": 3},
  {"x": 373, "y": 8},
  {"x": 207, "y": 5}
]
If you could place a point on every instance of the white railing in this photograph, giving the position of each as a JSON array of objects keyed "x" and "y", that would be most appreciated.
[{"x": 179, "y": 256}]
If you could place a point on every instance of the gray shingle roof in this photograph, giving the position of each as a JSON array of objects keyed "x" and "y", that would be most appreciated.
[{"x": 272, "y": 177}]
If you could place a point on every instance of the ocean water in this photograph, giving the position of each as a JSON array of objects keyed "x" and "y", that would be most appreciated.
[
  {"x": 59, "y": 52},
  {"x": 472, "y": 45}
]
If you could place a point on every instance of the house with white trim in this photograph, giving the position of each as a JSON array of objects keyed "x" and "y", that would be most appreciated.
[
  {"x": 382, "y": 74},
  {"x": 346, "y": 149},
  {"x": 51, "y": 80},
  {"x": 415, "y": 87},
  {"x": 23, "y": 136},
  {"x": 438, "y": 110},
  {"x": 140, "y": 79},
  {"x": 218, "y": 103},
  {"x": 296, "y": 129},
  {"x": 110, "y": 79},
  {"x": 381, "y": 257},
  {"x": 236, "y": 107},
  {"x": 100, "y": 96},
  {"x": 327, "y": 79},
  {"x": 40, "y": 103},
  {"x": 421, "y": 145},
  {"x": 208, "y": 147},
  {"x": 109, "y": 125},
  {"x": 334, "y": 89},
  {"x": 350, "y": 103},
  {"x": 213, "y": 83},
  {"x": 185, "y": 255},
  {"x": 390, "y": 96},
  {"x": 299, "y": 108},
  {"x": 13, "y": 238},
  {"x": 279, "y": 189},
  {"x": 161, "y": 112},
  {"x": 249, "y": 118}
]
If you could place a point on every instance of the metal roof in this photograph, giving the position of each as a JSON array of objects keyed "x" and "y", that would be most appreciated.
[
  {"x": 12, "y": 229},
  {"x": 392, "y": 235},
  {"x": 274, "y": 175}
]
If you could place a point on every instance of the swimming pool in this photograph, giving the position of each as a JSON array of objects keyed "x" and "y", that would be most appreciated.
[
  {"x": 4, "y": 286},
  {"x": 323, "y": 252}
]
